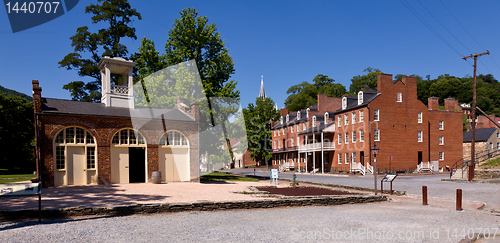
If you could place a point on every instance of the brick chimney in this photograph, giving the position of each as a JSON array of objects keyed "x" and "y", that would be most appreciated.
[
  {"x": 411, "y": 87},
  {"x": 383, "y": 82},
  {"x": 283, "y": 111},
  {"x": 433, "y": 103},
  {"x": 451, "y": 104},
  {"x": 180, "y": 104},
  {"x": 37, "y": 96},
  {"x": 195, "y": 111}
]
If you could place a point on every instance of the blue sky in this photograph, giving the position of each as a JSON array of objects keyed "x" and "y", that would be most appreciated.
[{"x": 286, "y": 41}]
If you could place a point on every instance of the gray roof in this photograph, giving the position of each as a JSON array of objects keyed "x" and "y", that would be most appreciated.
[
  {"x": 352, "y": 102},
  {"x": 482, "y": 134},
  {"x": 70, "y": 107},
  {"x": 317, "y": 128}
]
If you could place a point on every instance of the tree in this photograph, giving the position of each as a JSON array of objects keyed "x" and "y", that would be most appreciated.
[
  {"x": 258, "y": 119},
  {"x": 369, "y": 80},
  {"x": 305, "y": 94},
  {"x": 106, "y": 42},
  {"x": 16, "y": 134}
]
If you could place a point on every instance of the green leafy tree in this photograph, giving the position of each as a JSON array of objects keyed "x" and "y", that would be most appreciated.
[
  {"x": 305, "y": 94},
  {"x": 117, "y": 14},
  {"x": 368, "y": 80},
  {"x": 258, "y": 119},
  {"x": 16, "y": 134}
]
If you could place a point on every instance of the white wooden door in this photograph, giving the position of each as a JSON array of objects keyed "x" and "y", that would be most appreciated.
[
  {"x": 119, "y": 165},
  {"x": 77, "y": 174}
]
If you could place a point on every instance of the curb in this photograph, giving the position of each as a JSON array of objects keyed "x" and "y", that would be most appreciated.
[{"x": 124, "y": 210}]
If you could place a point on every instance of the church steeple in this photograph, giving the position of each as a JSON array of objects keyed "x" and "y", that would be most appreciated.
[{"x": 262, "y": 92}]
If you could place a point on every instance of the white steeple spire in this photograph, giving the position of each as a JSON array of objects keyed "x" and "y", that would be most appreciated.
[{"x": 262, "y": 92}]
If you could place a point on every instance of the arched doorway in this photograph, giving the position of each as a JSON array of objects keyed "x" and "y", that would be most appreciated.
[
  {"x": 128, "y": 157},
  {"x": 173, "y": 155},
  {"x": 75, "y": 157}
]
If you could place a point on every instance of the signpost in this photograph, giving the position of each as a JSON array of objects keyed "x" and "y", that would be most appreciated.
[
  {"x": 274, "y": 176},
  {"x": 388, "y": 178},
  {"x": 24, "y": 189}
]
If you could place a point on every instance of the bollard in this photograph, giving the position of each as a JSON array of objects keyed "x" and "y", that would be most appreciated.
[
  {"x": 293, "y": 178},
  {"x": 424, "y": 195},
  {"x": 459, "y": 199}
]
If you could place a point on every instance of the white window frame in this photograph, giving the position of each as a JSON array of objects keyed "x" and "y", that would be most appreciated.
[
  {"x": 498, "y": 146},
  {"x": 419, "y": 117},
  {"x": 314, "y": 121},
  {"x": 441, "y": 125},
  {"x": 292, "y": 142},
  {"x": 376, "y": 135},
  {"x": 346, "y": 119},
  {"x": 361, "y": 135},
  {"x": 361, "y": 116},
  {"x": 491, "y": 145},
  {"x": 291, "y": 128},
  {"x": 353, "y": 117},
  {"x": 274, "y": 145},
  {"x": 360, "y": 97},
  {"x": 279, "y": 144},
  {"x": 441, "y": 140},
  {"x": 420, "y": 136},
  {"x": 353, "y": 136},
  {"x": 376, "y": 115},
  {"x": 339, "y": 123},
  {"x": 346, "y": 138},
  {"x": 441, "y": 156},
  {"x": 344, "y": 103},
  {"x": 353, "y": 157},
  {"x": 399, "y": 97},
  {"x": 346, "y": 158},
  {"x": 339, "y": 139},
  {"x": 304, "y": 126},
  {"x": 298, "y": 127},
  {"x": 326, "y": 116},
  {"x": 339, "y": 158}
]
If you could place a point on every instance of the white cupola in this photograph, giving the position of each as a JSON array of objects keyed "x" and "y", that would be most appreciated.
[{"x": 117, "y": 95}]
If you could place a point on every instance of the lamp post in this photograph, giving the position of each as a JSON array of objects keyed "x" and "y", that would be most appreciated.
[{"x": 375, "y": 152}]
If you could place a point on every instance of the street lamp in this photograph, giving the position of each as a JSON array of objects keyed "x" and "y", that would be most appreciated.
[{"x": 375, "y": 150}]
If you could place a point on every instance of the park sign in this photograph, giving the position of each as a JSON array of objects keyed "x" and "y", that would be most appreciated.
[{"x": 20, "y": 189}]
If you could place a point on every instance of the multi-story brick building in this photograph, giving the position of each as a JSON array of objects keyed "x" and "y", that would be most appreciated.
[
  {"x": 82, "y": 143},
  {"x": 338, "y": 133}
]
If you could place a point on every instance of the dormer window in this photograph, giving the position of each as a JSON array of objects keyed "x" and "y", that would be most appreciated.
[
  {"x": 298, "y": 115},
  {"x": 307, "y": 112},
  {"x": 281, "y": 120},
  {"x": 344, "y": 103},
  {"x": 360, "y": 97},
  {"x": 314, "y": 121},
  {"x": 327, "y": 116},
  {"x": 287, "y": 118}
]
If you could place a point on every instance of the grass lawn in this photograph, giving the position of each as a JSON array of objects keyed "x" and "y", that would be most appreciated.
[
  {"x": 217, "y": 176},
  {"x": 15, "y": 178},
  {"x": 492, "y": 164}
]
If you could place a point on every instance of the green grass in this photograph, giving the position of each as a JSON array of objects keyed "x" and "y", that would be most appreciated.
[
  {"x": 216, "y": 176},
  {"x": 492, "y": 164},
  {"x": 29, "y": 176},
  {"x": 12, "y": 181}
]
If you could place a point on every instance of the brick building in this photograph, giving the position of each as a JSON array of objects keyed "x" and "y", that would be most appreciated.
[
  {"x": 337, "y": 134},
  {"x": 81, "y": 143}
]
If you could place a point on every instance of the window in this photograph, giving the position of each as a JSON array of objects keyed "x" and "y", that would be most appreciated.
[
  {"x": 399, "y": 97},
  {"x": 419, "y": 117},
  {"x": 344, "y": 103},
  {"x": 274, "y": 145},
  {"x": 360, "y": 97},
  {"x": 339, "y": 140},
  {"x": 441, "y": 155},
  {"x": 304, "y": 126},
  {"x": 91, "y": 158},
  {"x": 441, "y": 140},
  {"x": 353, "y": 136},
  {"x": 353, "y": 118},
  {"x": 128, "y": 136},
  {"x": 346, "y": 138},
  {"x": 291, "y": 128},
  {"x": 339, "y": 121},
  {"x": 279, "y": 144},
  {"x": 90, "y": 138},
  {"x": 376, "y": 135},
  {"x": 70, "y": 135},
  {"x": 314, "y": 121},
  {"x": 491, "y": 146},
  {"x": 60, "y": 165},
  {"x": 292, "y": 142},
  {"x": 361, "y": 135},
  {"x": 441, "y": 125},
  {"x": 346, "y": 119},
  {"x": 498, "y": 134},
  {"x": 298, "y": 127},
  {"x": 174, "y": 138},
  {"x": 353, "y": 157},
  {"x": 340, "y": 158},
  {"x": 80, "y": 135},
  {"x": 298, "y": 115},
  {"x": 346, "y": 158},
  {"x": 327, "y": 116},
  {"x": 498, "y": 146},
  {"x": 420, "y": 138},
  {"x": 287, "y": 118},
  {"x": 376, "y": 115},
  {"x": 361, "y": 116},
  {"x": 275, "y": 133},
  {"x": 281, "y": 119}
]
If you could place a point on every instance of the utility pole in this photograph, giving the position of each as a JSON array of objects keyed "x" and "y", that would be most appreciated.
[{"x": 473, "y": 120}]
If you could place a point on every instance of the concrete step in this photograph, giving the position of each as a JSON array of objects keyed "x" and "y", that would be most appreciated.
[{"x": 458, "y": 174}]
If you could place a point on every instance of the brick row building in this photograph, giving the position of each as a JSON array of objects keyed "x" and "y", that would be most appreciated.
[
  {"x": 337, "y": 134},
  {"x": 81, "y": 143}
]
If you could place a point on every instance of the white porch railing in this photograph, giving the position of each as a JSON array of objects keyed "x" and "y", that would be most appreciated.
[
  {"x": 424, "y": 166},
  {"x": 316, "y": 146},
  {"x": 369, "y": 168},
  {"x": 286, "y": 166},
  {"x": 358, "y": 167},
  {"x": 119, "y": 89}
]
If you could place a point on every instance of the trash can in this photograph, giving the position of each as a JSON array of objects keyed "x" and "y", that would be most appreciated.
[{"x": 156, "y": 177}]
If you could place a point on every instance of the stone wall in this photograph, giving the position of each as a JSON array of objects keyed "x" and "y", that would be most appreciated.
[{"x": 487, "y": 174}]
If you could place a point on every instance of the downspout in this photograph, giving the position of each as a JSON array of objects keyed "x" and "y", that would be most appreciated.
[
  {"x": 369, "y": 135},
  {"x": 37, "y": 131}
]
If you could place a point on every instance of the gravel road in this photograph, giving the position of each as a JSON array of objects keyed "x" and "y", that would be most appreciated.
[{"x": 383, "y": 222}]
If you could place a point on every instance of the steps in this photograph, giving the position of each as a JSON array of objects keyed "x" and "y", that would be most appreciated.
[{"x": 458, "y": 174}]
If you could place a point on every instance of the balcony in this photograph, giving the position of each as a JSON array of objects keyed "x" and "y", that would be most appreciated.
[
  {"x": 119, "y": 89},
  {"x": 316, "y": 147}
]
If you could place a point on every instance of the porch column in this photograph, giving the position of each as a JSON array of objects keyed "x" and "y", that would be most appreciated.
[
  {"x": 314, "y": 154},
  {"x": 322, "y": 154}
]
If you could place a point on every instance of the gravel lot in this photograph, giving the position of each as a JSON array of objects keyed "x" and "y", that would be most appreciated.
[{"x": 382, "y": 222}]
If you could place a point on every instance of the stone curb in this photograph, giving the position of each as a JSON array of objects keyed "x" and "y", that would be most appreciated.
[
  {"x": 123, "y": 210},
  {"x": 494, "y": 181}
]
